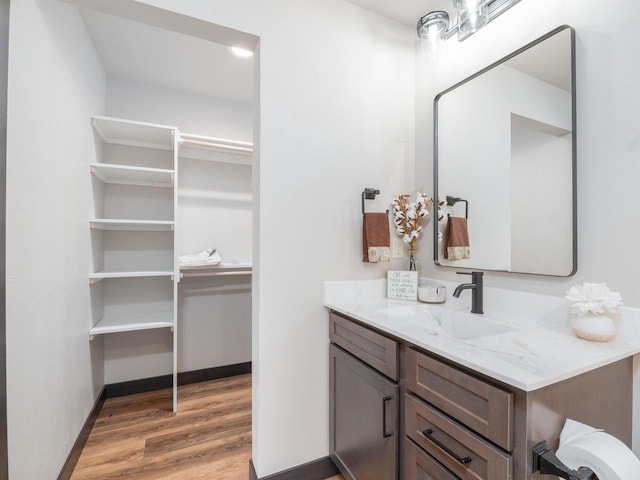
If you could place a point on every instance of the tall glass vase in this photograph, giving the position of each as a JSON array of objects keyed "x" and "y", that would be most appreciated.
[{"x": 413, "y": 266}]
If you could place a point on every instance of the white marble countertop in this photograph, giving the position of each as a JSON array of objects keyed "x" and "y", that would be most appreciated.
[{"x": 526, "y": 352}]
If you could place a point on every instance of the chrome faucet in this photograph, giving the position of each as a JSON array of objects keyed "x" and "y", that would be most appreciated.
[{"x": 476, "y": 290}]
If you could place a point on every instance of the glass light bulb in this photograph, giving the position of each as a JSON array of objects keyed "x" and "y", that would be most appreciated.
[
  {"x": 472, "y": 15},
  {"x": 432, "y": 30},
  {"x": 432, "y": 41},
  {"x": 434, "y": 33}
]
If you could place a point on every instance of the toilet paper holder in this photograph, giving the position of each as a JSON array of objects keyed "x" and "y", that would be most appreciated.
[{"x": 546, "y": 462}]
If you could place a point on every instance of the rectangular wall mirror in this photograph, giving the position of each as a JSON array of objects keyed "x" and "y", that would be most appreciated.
[{"x": 505, "y": 155}]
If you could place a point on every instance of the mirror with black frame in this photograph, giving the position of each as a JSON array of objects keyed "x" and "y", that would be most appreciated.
[{"x": 505, "y": 158}]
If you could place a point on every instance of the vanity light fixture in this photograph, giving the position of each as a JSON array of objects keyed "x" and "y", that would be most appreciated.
[
  {"x": 472, "y": 15},
  {"x": 241, "y": 52}
]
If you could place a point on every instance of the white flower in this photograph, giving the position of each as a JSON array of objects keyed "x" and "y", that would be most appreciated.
[
  {"x": 407, "y": 216},
  {"x": 593, "y": 298}
]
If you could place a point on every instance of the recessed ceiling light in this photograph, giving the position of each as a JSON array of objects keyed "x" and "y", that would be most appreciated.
[{"x": 241, "y": 52}]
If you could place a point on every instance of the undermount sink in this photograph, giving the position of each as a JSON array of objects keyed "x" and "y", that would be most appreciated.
[
  {"x": 469, "y": 325},
  {"x": 456, "y": 324}
]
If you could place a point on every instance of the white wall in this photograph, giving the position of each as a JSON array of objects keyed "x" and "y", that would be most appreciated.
[
  {"x": 335, "y": 115},
  {"x": 54, "y": 373},
  {"x": 214, "y": 210},
  {"x": 608, "y": 69},
  {"x": 195, "y": 114}
]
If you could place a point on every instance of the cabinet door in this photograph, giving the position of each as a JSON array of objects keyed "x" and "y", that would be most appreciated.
[{"x": 364, "y": 419}]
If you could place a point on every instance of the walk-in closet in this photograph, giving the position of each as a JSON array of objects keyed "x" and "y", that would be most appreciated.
[{"x": 171, "y": 184}]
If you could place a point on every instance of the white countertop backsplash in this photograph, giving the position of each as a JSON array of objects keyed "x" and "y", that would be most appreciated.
[{"x": 538, "y": 351}]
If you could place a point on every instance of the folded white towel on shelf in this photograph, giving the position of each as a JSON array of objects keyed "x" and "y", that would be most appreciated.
[{"x": 207, "y": 258}]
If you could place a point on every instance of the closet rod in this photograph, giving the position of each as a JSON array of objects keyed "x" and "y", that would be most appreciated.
[
  {"x": 216, "y": 145},
  {"x": 214, "y": 274}
]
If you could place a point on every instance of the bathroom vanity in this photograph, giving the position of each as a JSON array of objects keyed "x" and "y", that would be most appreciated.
[{"x": 426, "y": 392}]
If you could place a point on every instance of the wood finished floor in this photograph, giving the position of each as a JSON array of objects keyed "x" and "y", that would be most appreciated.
[{"x": 138, "y": 437}]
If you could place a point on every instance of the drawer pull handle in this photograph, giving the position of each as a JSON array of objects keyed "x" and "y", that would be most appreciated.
[
  {"x": 429, "y": 434},
  {"x": 385, "y": 432}
]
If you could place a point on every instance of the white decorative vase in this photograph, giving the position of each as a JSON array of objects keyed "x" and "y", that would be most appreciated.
[{"x": 595, "y": 328}]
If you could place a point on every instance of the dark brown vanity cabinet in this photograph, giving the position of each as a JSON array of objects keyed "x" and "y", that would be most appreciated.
[
  {"x": 364, "y": 402},
  {"x": 400, "y": 412},
  {"x": 454, "y": 423}
]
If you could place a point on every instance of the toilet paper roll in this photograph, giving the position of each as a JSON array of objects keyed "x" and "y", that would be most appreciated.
[{"x": 585, "y": 446}]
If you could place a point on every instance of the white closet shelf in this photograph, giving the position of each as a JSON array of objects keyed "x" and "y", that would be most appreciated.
[
  {"x": 127, "y": 175},
  {"x": 139, "y": 225},
  {"x": 136, "y": 134},
  {"x": 217, "y": 270},
  {"x": 132, "y": 322},
  {"x": 200, "y": 147},
  {"x": 129, "y": 274}
]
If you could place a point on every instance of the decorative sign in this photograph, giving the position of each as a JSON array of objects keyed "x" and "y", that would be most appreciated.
[{"x": 402, "y": 284}]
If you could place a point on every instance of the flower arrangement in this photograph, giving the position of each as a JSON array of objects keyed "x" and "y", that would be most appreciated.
[
  {"x": 440, "y": 209},
  {"x": 407, "y": 216},
  {"x": 595, "y": 298}
]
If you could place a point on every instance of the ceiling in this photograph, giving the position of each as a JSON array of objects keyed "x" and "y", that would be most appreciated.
[
  {"x": 407, "y": 12},
  {"x": 135, "y": 51}
]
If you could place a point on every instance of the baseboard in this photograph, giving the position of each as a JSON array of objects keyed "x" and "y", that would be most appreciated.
[
  {"x": 184, "y": 378},
  {"x": 319, "y": 469},
  {"x": 141, "y": 385},
  {"x": 206, "y": 374},
  {"x": 252, "y": 471},
  {"x": 76, "y": 450}
]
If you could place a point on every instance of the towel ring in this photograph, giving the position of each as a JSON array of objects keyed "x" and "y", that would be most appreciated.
[
  {"x": 369, "y": 194},
  {"x": 451, "y": 201}
]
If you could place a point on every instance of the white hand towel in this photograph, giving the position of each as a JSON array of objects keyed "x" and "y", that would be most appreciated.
[{"x": 209, "y": 257}]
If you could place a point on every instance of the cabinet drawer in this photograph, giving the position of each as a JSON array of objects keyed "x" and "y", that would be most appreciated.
[
  {"x": 467, "y": 455},
  {"x": 372, "y": 348},
  {"x": 484, "y": 408},
  {"x": 419, "y": 465}
]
